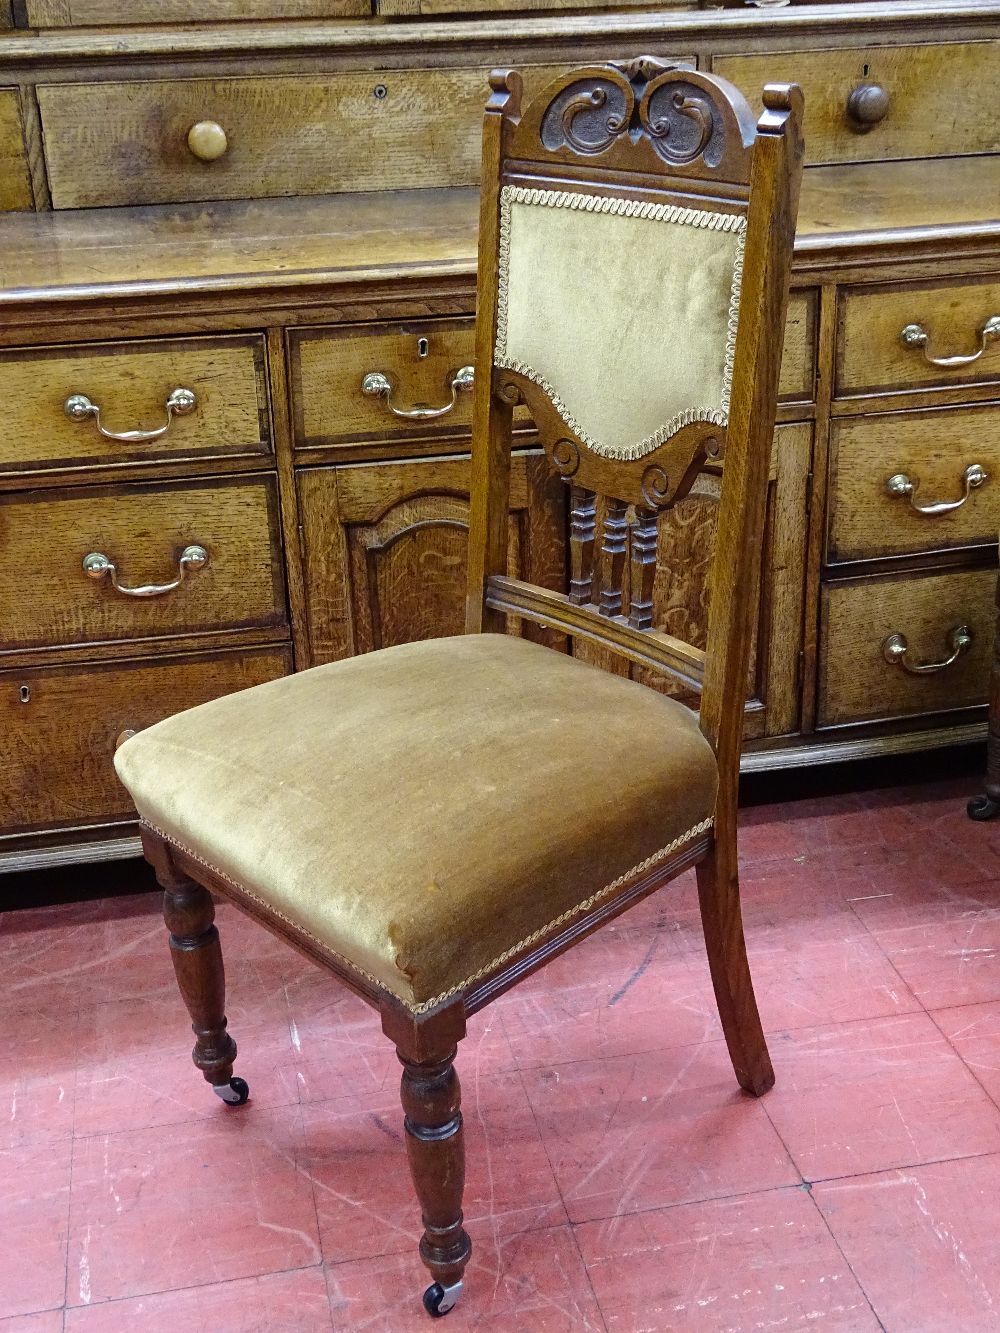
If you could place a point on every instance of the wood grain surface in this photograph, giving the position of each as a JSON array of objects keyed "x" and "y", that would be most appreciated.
[
  {"x": 60, "y": 725},
  {"x": 429, "y": 7},
  {"x": 15, "y": 183},
  {"x": 932, "y": 449},
  {"x": 130, "y": 382},
  {"x": 254, "y": 243},
  {"x": 856, "y": 616},
  {"x": 936, "y": 97},
  {"x": 142, "y": 529},
  {"x": 848, "y": 214},
  {"x": 124, "y": 13}
]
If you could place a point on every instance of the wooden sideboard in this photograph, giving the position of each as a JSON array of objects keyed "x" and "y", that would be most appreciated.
[{"x": 275, "y": 310}]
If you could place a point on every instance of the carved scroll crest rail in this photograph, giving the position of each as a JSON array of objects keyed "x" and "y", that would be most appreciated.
[{"x": 642, "y": 105}]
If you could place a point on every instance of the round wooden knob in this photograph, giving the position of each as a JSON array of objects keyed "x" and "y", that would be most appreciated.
[
  {"x": 867, "y": 105},
  {"x": 207, "y": 140}
]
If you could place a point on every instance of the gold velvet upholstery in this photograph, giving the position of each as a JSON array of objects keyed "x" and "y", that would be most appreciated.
[
  {"x": 623, "y": 311},
  {"x": 424, "y": 810}
]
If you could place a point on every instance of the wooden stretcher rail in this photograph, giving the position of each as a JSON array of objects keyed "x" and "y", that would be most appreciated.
[{"x": 648, "y": 648}]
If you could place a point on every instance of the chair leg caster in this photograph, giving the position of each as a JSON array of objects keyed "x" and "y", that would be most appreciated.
[
  {"x": 439, "y": 1300},
  {"x": 233, "y": 1093},
  {"x": 982, "y": 807}
]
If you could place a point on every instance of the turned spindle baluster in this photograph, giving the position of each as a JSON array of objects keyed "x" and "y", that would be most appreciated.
[
  {"x": 643, "y": 568},
  {"x": 582, "y": 531},
  {"x": 615, "y": 549}
]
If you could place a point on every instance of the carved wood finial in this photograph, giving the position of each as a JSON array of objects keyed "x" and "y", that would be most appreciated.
[
  {"x": 643, "y": 68},
  {"x": 506, "y": 87}
]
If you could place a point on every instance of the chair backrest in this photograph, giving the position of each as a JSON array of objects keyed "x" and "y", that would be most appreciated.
[{"x": 635, "y": 244}]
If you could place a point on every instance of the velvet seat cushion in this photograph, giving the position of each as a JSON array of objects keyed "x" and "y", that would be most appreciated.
[{"x": 425, "y": 810}]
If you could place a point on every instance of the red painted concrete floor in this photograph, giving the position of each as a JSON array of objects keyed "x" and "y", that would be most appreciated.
[{"x": 617, "y": 1178}]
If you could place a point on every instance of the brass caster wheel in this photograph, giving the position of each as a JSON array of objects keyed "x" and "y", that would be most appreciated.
[
  {"x": 982, "y": 807},
  {"x": 439, "y": 1300},
  {"x": 233, "y": 1093}
]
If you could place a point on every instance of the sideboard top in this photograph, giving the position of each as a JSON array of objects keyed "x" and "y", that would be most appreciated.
[{"x": 850, "y": 214}]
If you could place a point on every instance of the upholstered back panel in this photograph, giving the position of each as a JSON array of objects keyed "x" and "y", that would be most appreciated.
[{"x": 622, "y": 311}]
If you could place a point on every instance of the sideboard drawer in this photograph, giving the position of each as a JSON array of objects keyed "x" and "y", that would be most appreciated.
[
  {"x": 190, "y": 397},
  {"x": 918, "y": 336},
  {"x": 49, "y": 598},
  {"x": 857, "y": 617},
  {"x": 85, "y": 13},
  {"x": 60, "y": 725},
  {"x": 357, "y": 384},
  {"x": 136, "y": 143},
  {"x": 877, "y": 103},
  {"x": 15, "y": 183},
  {"x": 373, "y": 382},
  {"x": 891, "y": 475}
]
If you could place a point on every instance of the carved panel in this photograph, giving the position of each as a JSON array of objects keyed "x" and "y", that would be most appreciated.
[
  {"x": 386, "y": 546},
  {"x": 408, "y": 572},
  {"x": 635, "y": 117},
  {"x": 681, "y": 602},
  {"x": 682, "y": 123},
  {"x": 685, "y": 546},
  {"x": 588, "y": 116}
]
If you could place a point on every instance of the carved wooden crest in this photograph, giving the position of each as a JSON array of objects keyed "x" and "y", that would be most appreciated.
[{"x": 639, "y": 115}]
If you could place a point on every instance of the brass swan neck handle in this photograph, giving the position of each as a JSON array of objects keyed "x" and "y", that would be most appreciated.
[
  {"x": 78, "y": 407},
  {"x": 379, "y": 385},
  {"x": 901, "y": 486},
  {"x": 98, "y": 566},
  {"x": 896, "y": 647},
  {"x": 915, "y": 335}
]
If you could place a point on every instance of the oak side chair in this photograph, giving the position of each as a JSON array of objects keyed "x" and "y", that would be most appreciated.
[{"x": 434, "y": 821}]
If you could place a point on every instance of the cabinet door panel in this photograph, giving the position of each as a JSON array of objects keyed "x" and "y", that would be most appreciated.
[{"x": 385, "y": 548}]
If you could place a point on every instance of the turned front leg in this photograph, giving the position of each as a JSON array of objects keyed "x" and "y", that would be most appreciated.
[
  {"x": 436, "y": 1149},
  {"x": 196, "y": 952}
]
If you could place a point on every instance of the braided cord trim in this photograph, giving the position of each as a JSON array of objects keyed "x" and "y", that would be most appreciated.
[
  {"x": 566, "y": 917},
  {"x": 535, "y": 937},
  {"x": 598, "y": 203}
]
